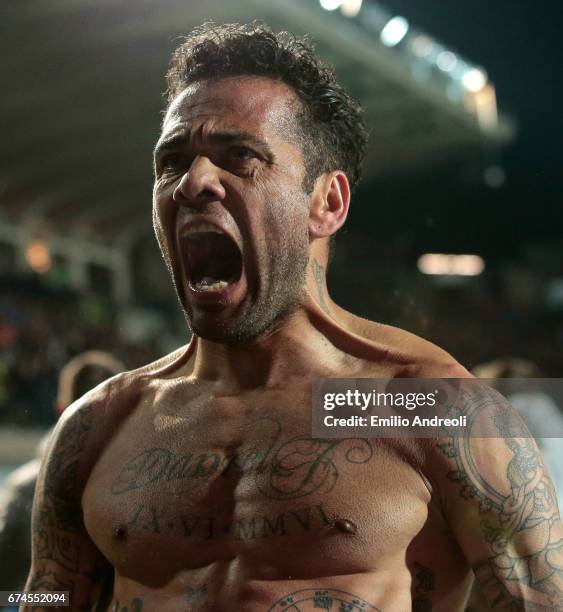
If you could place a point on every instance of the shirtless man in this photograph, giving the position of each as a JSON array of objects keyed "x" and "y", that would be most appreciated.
[{"x": 195, "y": 480}]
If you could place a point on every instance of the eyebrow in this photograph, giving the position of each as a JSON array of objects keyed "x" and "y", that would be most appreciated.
[{"x": 181, "y": 140}]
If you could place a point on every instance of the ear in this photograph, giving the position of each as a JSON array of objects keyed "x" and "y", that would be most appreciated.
[{"x": 329, "y": 204}]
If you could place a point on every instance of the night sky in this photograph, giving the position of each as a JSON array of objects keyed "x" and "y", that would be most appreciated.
[{"x": 450, "y": 208}]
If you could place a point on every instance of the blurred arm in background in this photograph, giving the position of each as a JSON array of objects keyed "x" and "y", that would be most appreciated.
[{"x": 79, "y": 375}]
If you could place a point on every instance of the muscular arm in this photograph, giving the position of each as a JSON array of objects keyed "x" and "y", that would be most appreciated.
[
  {"x": 63, "y": 556},
  {"x": 501, "y": 505}
]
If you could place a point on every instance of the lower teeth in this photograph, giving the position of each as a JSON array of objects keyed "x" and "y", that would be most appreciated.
[{"x": 207, "y": 283}]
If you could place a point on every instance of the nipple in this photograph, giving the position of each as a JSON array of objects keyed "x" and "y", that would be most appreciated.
[
  {"x": 345, "y": 526},
  {"x": 120, "y": 533}
]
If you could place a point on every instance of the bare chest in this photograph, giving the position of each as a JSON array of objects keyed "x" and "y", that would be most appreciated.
[{"x": 219, "y": 479}]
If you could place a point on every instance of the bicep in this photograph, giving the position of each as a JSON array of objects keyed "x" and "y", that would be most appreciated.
[
  {"x": 63, "y": 556},
  {"x": 502, "y": 508}
]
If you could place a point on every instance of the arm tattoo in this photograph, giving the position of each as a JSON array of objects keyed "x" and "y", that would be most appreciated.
[
  {"x": 521, "y": 525},
  {"x": 61, "y": 560},
  {"x": 319, "y": 274},
  {"x": 58, "y": 517},
  {"x": 60, "y": 483}
]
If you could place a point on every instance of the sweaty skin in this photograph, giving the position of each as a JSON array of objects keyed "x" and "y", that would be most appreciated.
[{"x": 194, "y": 484}]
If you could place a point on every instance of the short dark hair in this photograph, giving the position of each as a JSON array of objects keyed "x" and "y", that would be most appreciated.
[{"x": 332, "y": 133}]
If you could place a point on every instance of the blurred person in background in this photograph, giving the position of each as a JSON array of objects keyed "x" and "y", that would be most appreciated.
[
  {"x": 541, "y": 414},
  {"x": 79, "y": 375},
  {"x": 195, "y": 479}
]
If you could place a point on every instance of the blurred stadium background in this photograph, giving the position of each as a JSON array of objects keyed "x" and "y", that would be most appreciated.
[{"x": 465, "y": 160}]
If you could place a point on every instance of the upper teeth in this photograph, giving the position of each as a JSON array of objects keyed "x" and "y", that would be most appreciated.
[
  {"x": 198, "y": 228},
  {"x": 207, "y": 283}
]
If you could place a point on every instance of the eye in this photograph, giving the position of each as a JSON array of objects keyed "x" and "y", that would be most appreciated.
[
  {"x": 174, "y": 161},
  {"x": 240, "y": 153}
]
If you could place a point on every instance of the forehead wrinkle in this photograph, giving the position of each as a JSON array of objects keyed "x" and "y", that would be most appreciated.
[
  {"x": 246, "y": 97},
  {"x": 179, "y": 137},
  {"x": 272, "y": 107},
  {"x": 205, "y": 131}
]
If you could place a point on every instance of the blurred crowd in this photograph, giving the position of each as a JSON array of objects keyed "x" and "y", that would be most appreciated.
[
  {"x": 482, "y": 329},
  {"x": 42, "y": 328},
  {"x": 502, "y": 313}
]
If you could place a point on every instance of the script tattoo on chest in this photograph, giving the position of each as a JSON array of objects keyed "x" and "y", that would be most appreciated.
[
  {"x": 163, "y": 519},
  {"x": 281, "y": 469}
]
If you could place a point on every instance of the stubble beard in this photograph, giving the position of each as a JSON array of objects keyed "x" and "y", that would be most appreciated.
[{"x": 281, "y": 297}]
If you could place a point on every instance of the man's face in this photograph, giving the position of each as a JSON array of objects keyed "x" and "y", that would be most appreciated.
[{"x": 229, "y": 208}]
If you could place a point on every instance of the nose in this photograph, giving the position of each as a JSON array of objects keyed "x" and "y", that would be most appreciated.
[{"x": 200, "y": 183}]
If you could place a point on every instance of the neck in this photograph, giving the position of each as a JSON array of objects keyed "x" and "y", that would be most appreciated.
[
  {"x": 316, "y": 284},
  {"x": 289, "y": 350},
  {"x": 265, "y": 362}
]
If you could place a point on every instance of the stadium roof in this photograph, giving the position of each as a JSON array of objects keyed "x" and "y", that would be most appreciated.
[{"x": 82, "y": 100}]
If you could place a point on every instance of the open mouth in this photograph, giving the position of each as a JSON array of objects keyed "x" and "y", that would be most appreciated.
[{"x": 213, "y": 262}]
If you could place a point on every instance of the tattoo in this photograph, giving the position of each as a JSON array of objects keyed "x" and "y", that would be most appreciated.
[
  {"x": 424, "y": 586},
  {"x": 524, "y": 517},
  {"x": 283, "y": 470},
  {"x": 195, "y": 597},
  {"x": 332, "y": 600},
  {"x": 154, "y": 519},
  {"x": 58, "y": 518},
  {"x": 47, "y": 580},
  {"x": 60, "y": 559},
  {"x": 136, "y": 606},
  {"x": 60, "y": 485},
  {"x": 319, "y": 274}
]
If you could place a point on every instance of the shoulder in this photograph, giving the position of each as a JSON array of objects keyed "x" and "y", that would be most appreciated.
[
  {"x": 163, "y": 367},
  {"x": 86, "y": 426},
  {"x": 130, "y": 382},
  {"x": 414, "y": 356},
  {"x": 481, "y": 458},
  {"x": 112, "y": 398}
]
